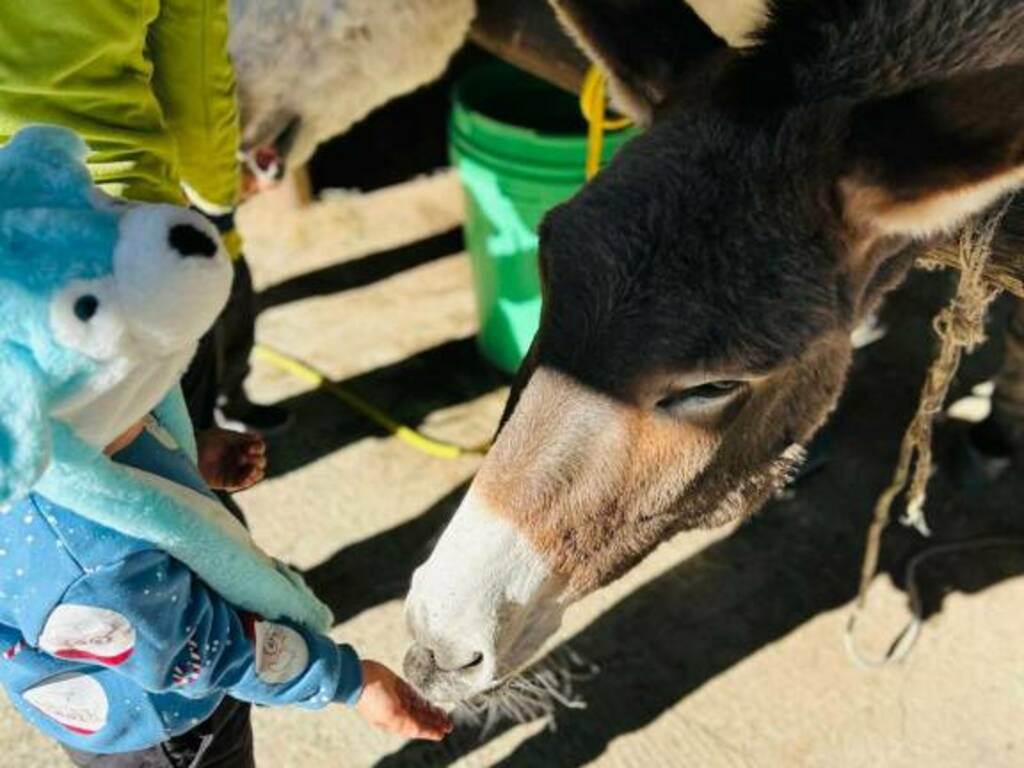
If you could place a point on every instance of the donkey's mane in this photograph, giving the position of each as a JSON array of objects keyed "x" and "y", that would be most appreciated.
[{"x": 823, "y": 49}]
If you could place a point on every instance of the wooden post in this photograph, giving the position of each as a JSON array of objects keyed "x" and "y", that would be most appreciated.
[{"x": 301, "y": 186}]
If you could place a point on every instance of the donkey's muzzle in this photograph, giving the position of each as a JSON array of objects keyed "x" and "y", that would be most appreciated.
[{"x": 445, "y": 675}]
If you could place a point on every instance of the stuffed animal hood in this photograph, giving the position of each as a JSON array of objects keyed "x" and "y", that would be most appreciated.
[{"x": 101, "y": 306}]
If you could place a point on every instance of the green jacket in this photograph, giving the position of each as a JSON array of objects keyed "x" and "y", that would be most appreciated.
[{"x": 147, "y": 83}]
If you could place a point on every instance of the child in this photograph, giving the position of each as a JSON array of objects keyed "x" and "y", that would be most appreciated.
[
  {"x": 112, "y": 646},
  {"x": 107, "y": 643}
]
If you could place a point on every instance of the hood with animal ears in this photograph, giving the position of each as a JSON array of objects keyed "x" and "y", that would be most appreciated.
[
  {"x": 101, "y": 306},
  {"x": 101, "y": 302}
]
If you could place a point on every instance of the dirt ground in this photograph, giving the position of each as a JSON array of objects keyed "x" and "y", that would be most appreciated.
[{"x": 722, "y": 649}]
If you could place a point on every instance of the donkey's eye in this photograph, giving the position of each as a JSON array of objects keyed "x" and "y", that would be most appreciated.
[{"x": 704, "y": 394}]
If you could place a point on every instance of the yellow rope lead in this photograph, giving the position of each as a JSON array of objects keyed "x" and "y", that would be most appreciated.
[
  {"x": 594, "y": 105},
  {"x": 437, "y": 448}
]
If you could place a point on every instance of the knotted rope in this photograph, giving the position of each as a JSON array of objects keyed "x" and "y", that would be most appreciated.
[{"x": 960, "y": 327}]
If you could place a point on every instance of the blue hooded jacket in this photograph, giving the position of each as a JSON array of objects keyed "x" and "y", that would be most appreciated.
[{"x": 111, "y": 645}]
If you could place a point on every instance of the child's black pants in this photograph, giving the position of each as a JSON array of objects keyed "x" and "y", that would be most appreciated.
[{"x": 222, "y": 741}]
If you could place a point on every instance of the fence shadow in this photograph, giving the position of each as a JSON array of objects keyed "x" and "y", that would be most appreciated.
[{"x": 361, "y": 272}]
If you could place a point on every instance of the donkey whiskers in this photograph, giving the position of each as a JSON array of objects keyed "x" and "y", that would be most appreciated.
[{"x": 531, "y": 695}]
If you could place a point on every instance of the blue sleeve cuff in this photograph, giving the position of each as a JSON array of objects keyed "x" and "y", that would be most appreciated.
[{"x": 350, "y": 679}]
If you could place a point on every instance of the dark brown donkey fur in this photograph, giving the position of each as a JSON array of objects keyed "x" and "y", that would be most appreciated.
[
  {"x": 700, "y": 293},
  {"x": 779, "y": 191}
]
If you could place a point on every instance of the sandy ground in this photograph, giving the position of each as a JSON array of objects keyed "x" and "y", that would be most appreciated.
[{"x": 723, "y": 649}]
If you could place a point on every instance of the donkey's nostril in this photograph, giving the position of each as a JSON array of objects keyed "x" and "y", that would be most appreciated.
[
  {"x": 191, "y": 242},
  {"x": 476, "y": 661},
  {"x": 457, "y": 663},
  {"x": 422, "y": 663}
]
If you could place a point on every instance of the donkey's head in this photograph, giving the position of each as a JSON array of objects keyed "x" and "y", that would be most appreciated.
[{"x": 699, "y": 295}]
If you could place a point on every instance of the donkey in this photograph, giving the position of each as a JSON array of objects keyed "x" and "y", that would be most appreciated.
[
  {"x": 699, "y": 294},
  {"x": 310, "y": 69}
]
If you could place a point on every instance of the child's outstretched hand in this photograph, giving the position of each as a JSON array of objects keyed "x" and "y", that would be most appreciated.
[
  {"x": 391, "y": 704},
  {"x": 231, "y": 461}
]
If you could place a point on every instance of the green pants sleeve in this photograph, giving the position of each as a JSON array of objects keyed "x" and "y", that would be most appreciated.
[
  {"x": 194, "y": 80},
  {"x": 83, "y": 64}
]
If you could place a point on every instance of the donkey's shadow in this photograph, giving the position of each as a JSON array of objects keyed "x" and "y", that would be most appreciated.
[
  {"x": 795, "y": 560},
  {"x": 341, "y": 581},
  {"x": 669, "y": 638}
]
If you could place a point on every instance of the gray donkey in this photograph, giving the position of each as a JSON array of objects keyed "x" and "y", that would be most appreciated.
[
  {"x": 309, "y": 69},
  {"x": 699, "y": 295}
]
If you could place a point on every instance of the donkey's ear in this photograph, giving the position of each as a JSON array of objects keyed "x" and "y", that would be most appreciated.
[
  {"x": 923, "y": 161},
  {"x": 644, "y": 45}
]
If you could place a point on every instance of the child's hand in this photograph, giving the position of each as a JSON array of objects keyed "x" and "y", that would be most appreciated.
[
  {"x": 390, "y": 703},
  {"x": 231, "y": 461}
]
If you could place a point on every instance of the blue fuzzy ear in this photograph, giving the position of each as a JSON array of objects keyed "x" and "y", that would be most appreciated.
[
  {"x": 24, "y": 427},
  {"x": 48, "y": 141},
  {"x": 44, "y": 166}
]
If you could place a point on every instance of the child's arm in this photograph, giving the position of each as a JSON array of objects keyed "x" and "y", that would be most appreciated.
[
  {"x": 194, "y": 80},
  {"x": 152, "y": 620}
]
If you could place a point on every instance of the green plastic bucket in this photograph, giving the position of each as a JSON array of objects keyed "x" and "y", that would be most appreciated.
[{"x": 519, "y": 145}]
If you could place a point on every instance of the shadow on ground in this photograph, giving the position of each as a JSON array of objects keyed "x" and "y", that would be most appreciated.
[
  {"x": 409, "y": 391},
  {"x": 795, "y": 560},
  {"x": 358, "y": 273},
  {"x": 343, "y": 581}
]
